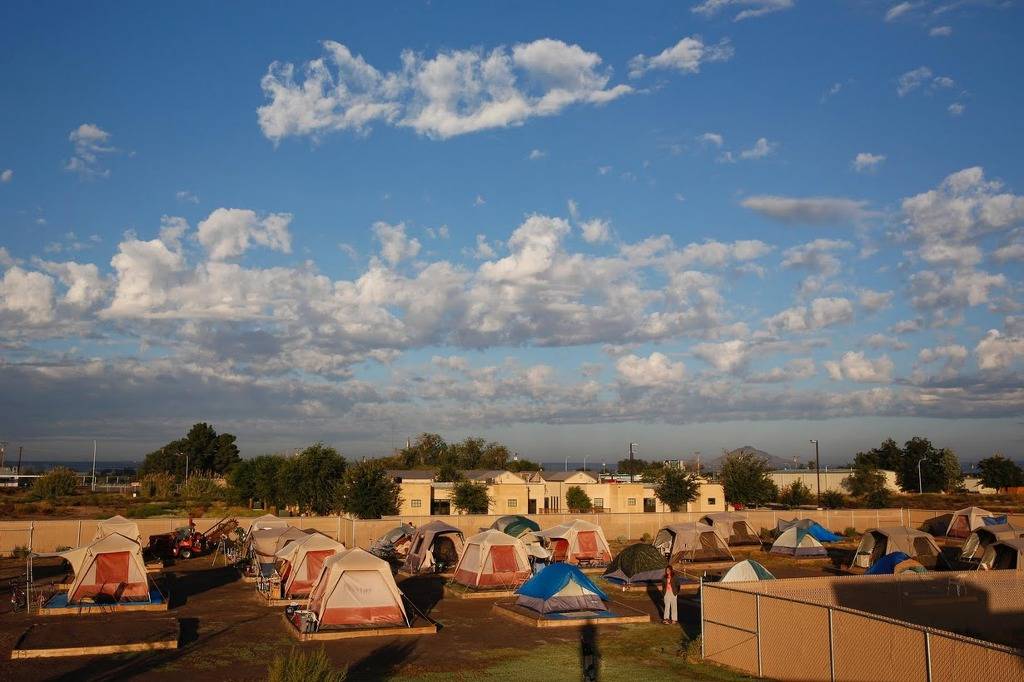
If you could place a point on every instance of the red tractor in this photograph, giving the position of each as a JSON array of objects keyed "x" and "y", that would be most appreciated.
[{"x": 187, "y": 542}]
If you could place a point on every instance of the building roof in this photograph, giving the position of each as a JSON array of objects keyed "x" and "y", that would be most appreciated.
[
  {"x": 565, "y": 475},
  {"x": 489, "y": 474},
  {"x": 412, "y": 474}
]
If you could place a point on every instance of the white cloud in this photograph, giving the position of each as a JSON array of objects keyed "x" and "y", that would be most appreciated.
[
  {"x": 686, "y": 56},
  {"x": 996, "y": 351},
  {"x": 867, "y": 162},
  {"x": 90, "y": 142},
  {"x": 761, "y": 149},
  {"x": 727, "y": 356},
  {"x": 817, "y": 256},
  {"x": 654, "y": 371},
  {"x": 965, "y": 206},
  {"x": 7, "y": 175},
  {"x": 604, "y": 170},
  {"x": 395, "y": 245},
  {"x": 5, "y": 258},
  {"x": 479, "y": 200},
  {"x": 749, "y": 9},
  {"x": 483, "y": 250},
  {"x": 912, "y": 80},
  {"x": 883, "y": 341},
  {"x": 86, "y": 288},
  {"x": 227, "y": 232},
  {"x": 952, "y": 356},
  {"x": 596, "y": 231},
  {"x": 822, "y": 312},
  {"x": 808, "y": 210},
  {"x": 898, "y": 10},
  {"x": 439, "y": 233},
  {"x": 1014, "y": 251},
  {"x": 536, "y": 154},
  {"x": 854, "y": 366},
  {"x": 454, "y": 93},
  {"x": 941, "y": 31},
  {"x": 26, "y": 297},
  {"x": 794, "y": 370},
  {"x": 956, "y": 109},
  {"x": 939, "y": 293},
  {"x": 715, "y": 139},
  {"x": 875, "y": 300},
  {"x": 186, "y": 196}
]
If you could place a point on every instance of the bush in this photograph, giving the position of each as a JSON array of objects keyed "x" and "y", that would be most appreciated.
[
  {"x": 832, "y": 499},
  {"x": 878, "y": 499},
  {"x": 296, "y": 666},
  {"x": 646, "y": 538},
  {"x": 144, "y": 511},
  {"x": 201, "y": 488},
  {"x": 19, "y": 552},
  {"x": 577, "y": 500},
  {"x": 56, "y": 483},
  {"x": 796, "y": 494},
  {"x": 62, "y": 548},
  {"x": 158, "y": 485},
  {"x": 470, "y": 498},
  {"x": 850, "y": 532}
]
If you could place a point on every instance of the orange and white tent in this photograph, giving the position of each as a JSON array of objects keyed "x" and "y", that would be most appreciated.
[
  {"x": 491, "y": 559},
  {"x": 577, "y": 541},
  {"x": 302, "y": 561},
  {"x": 356, "y": 588},
  {"x": 265, "y": 522},
  {"x": 265, "y": 543},
  {"x": 110, "y": 569},
  {"x": 121, "y": 526}
]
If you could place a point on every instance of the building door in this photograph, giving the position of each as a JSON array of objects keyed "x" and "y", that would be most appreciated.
[
  {"x": 531, "y": 507},
  {"x": 649, "y": 505}
]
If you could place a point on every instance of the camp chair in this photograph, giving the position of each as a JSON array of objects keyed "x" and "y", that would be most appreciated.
[{"x": 559, "y": 549}]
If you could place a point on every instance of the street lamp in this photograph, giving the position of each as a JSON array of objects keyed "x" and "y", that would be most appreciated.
[
  {"x": 584, "y": 462},
  {"x": 631, "y": 446},
  {"x": 920, "y": 481},
  {"x": 817, "y": 468}
]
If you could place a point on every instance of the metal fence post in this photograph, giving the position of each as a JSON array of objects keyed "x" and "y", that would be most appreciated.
[
  {"x": 757, "y": 617},
  {"x": 928, "y": 656},
  {"x": 78, "y": 542},
  {"x": 877, "y": 522},
  {"x": 701, "y": 595},
  {"x": 831, "y": 648}
]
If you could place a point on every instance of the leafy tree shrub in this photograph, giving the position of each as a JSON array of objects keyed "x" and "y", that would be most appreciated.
[
  {"x": 296, "y": 666},
  {"x": 202, "y": 487},
  {"x": 832, "y": 499},
  {"x": 676, "y": 488},
  {"x": 206, "y": 450},
  {"x": 470, "y": 498},
  {"x": 56, "y": 483},
  {"x": 577, "y": 500},
  {"x": 19, "y": 552},
  {"x": 646, "y": 538},
  {"x": 159, "y": 485},
  {"x": 850, "y": 532},
  {"x": 1000, "y": 472},
  {"x": 878, "y": 499},
  {"x": 796, "y": 494},
  {"x": 368, "y": 492},
  {"x": 746, "y": 481},
  {"x": 310, "y": 479}
]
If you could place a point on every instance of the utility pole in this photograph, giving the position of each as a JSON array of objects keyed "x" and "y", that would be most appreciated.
[
  {"x": 20, "y": 448},
  {"x": 697, "y": 453},
  {"x": 631, "y": 446},
  {"x": 3, "y": 452},
  {"x": 94, "y": 466},
  {"x": 920, "y": 481},
  {"x": 817, "y": 468}
]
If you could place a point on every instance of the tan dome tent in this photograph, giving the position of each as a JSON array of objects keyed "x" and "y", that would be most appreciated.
[
  {"x": 966, "y": 520},
  {"x": 394, "y": 543},
  {"x": 798, "y": 543},
  {"x": 692, "y": 542},
  {"x": 493, "y": 559},
  {"x": 746, "y": 571},
  {"x": 356, "y": 589},
  {"x": 119, "y": 525},
  {"x": 878, "y": 542},
  {"x": 980, "y": 539},
  {"x": 265, "y": 522},
  {"x": 434, "y": 545},
  {"x": 302, "y": 561},
  {"x": 576, "y": 542},
  {"x": 733, "y": 527},
  {"x": 265, "y": 543},
  {"x": 1004, "y": 555},
  {"x": 109, "y": 570}
]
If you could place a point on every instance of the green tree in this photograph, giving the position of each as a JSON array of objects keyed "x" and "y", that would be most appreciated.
[
  {"x": 367, "y": 491},
  {"x": 746, "y": 481},
  {"x": 1000, "y": 472},
  {"x": 577, "y": 500},
  {"x": 58, "y": 482},
  {"x": 518, "y": 465},
  {"x": 310, "y": 479},
  {"x": 449, "y": 472},
  {"x": 470, "y": 497},
  {"x": 676, "y": 488},
  {"x": 631, "y": 467},
  {"x": 940, "y": 470},
  {"x": 258, "y": 479},
  {"x": 427, "y": 450},
  {"x": 888, "y": 456},
  {"x": 869, "y": 485},
  {"x": 206, "y": 450},
  {"x": 795, "y": 494},
  {"x": 202, "y": 488},
  {"x": 158, "y": 486}
]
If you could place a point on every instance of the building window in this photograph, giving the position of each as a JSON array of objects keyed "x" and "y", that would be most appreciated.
[
  {"x": 513, "y": 502},
  {"x": 630, "y": 501},
  {"x": 599, "y": 503},
  {"x": 553, "y": 503},
  {"x": 415, "y": 503},
  {"x": 711, "y": 500}
]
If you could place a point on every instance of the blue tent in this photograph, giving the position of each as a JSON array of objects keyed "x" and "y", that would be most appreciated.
[
  {"x": 561, "y": 587},
  {"x": 890, "y": 564},
  {"x": 994, "y": 520},
  {"x": 816, "y": 530}
]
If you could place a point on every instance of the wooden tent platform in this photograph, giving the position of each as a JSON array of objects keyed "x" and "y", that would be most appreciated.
[
  {"x": 50, "y": 639},
  {"x": 419, "y": 627},
  {"x": 266, "y": 599},
  {"x": 621, "y": 615},
  {"x": 460, "y": 592},
  {"x": 99, "y": 609}
]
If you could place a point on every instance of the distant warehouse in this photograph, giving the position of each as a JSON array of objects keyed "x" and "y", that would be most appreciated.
[{"x": 831, "y": 479}]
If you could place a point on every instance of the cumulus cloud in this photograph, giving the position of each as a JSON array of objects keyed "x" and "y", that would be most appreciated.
[
  {"x": 817, "y": 256},
  {"x": 997, "y": 351},
  {"x": 808, "y": 210},
  {"x": 898, "y": 10},
  {"x": 727, "y": 356},
  {"x": 596, "y": 231},
  {"x": 821, "y": 313},
  {"x": 866, "y": 162},
  {"x": 453, "y": 93},
  {"x": 26, "y": 297},
  {"x": 186, "y": 196},
  {"x": 91, "y": 143},
  {"x": 6, "y": 175},
  {"x": 875, "y": 300},
  {"x": 395, "y": 245},
  {"x": 794, "y": 370},
  {"x": 940, "y": 31},
  {"x": 964, "y": 207},
  {"x": 854, "y": 366},
  {"x": 686, "y": 56},
  {"x": 715, "y": 139},
  {"x": 956, "y": 109},
  {"x": 654, "y": 371},
  {"x": 748, "y": 9},
  {"x": 952, "y": 357},
  {"x": 228, "y": 232},
  {"x": 536, "y": 154}
]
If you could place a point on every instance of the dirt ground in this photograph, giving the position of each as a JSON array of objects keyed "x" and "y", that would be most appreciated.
[{"x": 227, "y": 634}]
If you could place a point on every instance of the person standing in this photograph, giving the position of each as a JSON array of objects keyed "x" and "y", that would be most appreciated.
[{"x": 671, "y": 614}]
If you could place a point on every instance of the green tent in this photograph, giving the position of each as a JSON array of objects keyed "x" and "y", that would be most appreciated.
[
  {"x": 639, "y": 563},
  {"x": 515, "y": 526}
]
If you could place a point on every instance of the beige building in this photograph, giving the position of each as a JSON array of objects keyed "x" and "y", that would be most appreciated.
[
  {"x": 541, "y": 493},
  {"x": 831, "y": 479}
]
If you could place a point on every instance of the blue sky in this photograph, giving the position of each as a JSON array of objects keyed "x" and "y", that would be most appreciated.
[{"x": 691, "y": 226}]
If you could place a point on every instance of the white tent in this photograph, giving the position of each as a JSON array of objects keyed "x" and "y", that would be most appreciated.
[
  {"x": 746, "y": 571},
  {"x": 576, "y": 542},
  {"x": 692, "y": 541},
  {"x": 433, "y": 543},
  {"x": 966, "y": 520},
  {"x": 121, "y": 526},
  {"x": 356, "y": 588},
  {"x": 798, "y": 543},
  {"x": 110, "y": 569},
  {"x": 265, "y": 522},
  {"x": 302, "y": 561},
  {"x": 493, "y": 558}
]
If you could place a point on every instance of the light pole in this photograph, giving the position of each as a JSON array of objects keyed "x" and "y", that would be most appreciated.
[
  {"x": 920, "y": 481},
  {"x": 584, "y": 462},
  {"x": 817, "y": 468},
  {"x": 631, "y": 447}
]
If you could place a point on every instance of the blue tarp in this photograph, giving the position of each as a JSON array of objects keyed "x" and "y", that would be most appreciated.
[
  {"x": 822, "y": 534},
  {"x": 887, "y": 564},
  {"x": 552, "y": 579},
  {"x": 994, "y": 520}
]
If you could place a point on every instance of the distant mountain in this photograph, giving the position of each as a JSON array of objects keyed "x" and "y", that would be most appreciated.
[{"x": 774, "y": 461}]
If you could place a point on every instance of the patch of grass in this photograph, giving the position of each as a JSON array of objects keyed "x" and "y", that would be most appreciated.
[{"x": 297, "y": 666}]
